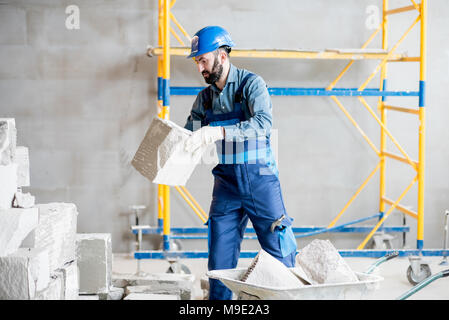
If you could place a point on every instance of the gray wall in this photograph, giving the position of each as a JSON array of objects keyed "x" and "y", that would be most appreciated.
[{"x": 83, "y": 100}]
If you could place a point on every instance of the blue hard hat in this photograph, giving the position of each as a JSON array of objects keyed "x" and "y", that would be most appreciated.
[{"x": 209, "y": 39}]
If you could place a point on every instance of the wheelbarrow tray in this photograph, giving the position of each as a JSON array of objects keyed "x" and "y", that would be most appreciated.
[{"x": 366, "y": 285}]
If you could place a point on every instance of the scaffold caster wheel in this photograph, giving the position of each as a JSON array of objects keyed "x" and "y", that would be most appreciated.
[
  {"x": 176, "y": 267},
  {"x": 416, "y": 276}
]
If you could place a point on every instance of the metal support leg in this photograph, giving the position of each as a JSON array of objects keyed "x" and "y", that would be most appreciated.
[
  {"x": 139, "y": 247},
  {"x": 444, "y": 261}
]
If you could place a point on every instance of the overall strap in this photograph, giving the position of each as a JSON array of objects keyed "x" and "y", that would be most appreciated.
[
  {"x": 206, "y": 95},
  {"x": 239, "y": 93}
]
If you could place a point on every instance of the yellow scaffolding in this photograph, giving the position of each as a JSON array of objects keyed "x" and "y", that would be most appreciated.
[{"x": 164, "y": 51}]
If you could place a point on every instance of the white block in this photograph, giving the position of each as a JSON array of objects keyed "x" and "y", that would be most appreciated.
[
  {"x": 161, "y": 156},
  {"x": 153, "y": 289},
  {"x": 160, "y": 282},
  {"x": 23, "y": 273},
  {"x": 71, "y": 280},
  {"x": 266, "y": 270},
  {"x": 23, "y": 170},
  {"x": 63, "y": 284},
  {"x": 323, "y": 264},
  {"x": 150, "y": 296},
  {"x": 55, "y": 288},
  {"x": 56, "y": 231},
  {"x": 23, "y": 200},
  {"x": 8, "y": 185},
  {"x": 94, "y": 256},
  {"x": 15, "y": 225},
  {"x": 8, "y": 140},
  {"x": 88, "y": 297}
]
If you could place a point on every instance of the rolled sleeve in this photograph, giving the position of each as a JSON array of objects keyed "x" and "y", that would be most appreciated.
[{"x": 260, "y": 107}]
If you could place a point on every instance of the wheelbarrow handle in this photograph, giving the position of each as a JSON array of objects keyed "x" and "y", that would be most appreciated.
[
  {"x": 423, "y": 284},
  {"x": 379, "y": 261},
  {"x": 391, "y": 255}
]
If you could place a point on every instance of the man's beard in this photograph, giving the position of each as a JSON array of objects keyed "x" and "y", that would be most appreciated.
[{"x": 215, "y": 74}]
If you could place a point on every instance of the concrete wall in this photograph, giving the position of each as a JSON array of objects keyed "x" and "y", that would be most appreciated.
[{"x": 84, "y": 98}]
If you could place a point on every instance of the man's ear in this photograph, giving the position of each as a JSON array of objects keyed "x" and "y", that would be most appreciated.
[{"x": 223, "y": 56}]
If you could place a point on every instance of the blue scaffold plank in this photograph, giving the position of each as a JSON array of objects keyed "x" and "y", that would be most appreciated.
[
  {"x": 177, "y": 233},
  {"x": 158, "y": 254},
  {"x": 279, "y": 91}
]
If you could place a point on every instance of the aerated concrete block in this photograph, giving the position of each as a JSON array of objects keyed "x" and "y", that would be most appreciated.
[
  {"x": 94, "y": 256},
  {"x": 56, "y": 231},
  {"x": 55, "y": 288},
  {"x": 8, "y": 140},
  {"x": 23, "y": 273},
  {"x": 160, "y": 282},
  {"x": 153, "y": 289},
  {"x": 8, "y": 184},
  {"x": 63, "y": 284},
  {"x": 89, "y": 297},
  {"x": 150, "y": 296},
  {"x": 71, "y": 282},
  {"x": 266, "y": 270},
  {"x": 23, "y": 166},
  {"x": 15, "y": 225},
  {"x": 323, "y": 264},
  {"x": 161, "y": 156}
]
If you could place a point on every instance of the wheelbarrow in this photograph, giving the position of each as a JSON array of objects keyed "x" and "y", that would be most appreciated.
[{"x": 367, "y": 283}]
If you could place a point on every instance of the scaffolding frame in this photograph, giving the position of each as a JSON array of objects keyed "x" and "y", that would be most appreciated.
[{"x": 164, "y": 51}]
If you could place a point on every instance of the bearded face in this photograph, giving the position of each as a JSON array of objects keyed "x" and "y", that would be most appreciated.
[
  {"x": 213, "y": 75},
  {"x": 210, "y": 67}
]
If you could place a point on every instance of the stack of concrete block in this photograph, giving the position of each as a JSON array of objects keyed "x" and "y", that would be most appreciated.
[
  {"x": 142, "y": 287},
  {"x": 94, "y": 257},
  {"x": 47, "y": 255},
  {"x": 161, "y": 156},
  {"x": 37, "y": 242}
]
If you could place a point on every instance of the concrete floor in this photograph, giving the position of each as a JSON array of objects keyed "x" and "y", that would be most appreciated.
[{"x": 395, "y": 281}]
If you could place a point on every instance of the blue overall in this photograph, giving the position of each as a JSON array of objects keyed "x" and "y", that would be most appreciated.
[{"x": 246, "y": 186}]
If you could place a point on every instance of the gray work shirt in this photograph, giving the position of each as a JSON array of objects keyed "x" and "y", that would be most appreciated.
[{"x": 256, "y": 106}]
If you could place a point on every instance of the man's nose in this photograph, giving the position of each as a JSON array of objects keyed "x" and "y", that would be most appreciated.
[{"x": 200, "y": 68}]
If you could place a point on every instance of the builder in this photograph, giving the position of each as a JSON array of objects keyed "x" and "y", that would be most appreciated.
[{"x": 234, "y": 112}]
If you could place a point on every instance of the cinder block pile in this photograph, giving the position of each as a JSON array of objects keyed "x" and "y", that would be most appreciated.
[
  {"x": 37, "y": 241},
  {"x": 41, "y": 255}
]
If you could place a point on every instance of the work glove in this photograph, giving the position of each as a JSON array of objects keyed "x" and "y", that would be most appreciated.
[{"x": 203, "y": 137}]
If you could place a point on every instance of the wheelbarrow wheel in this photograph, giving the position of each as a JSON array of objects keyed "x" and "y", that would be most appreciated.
[{"x": 424, "y": 272}]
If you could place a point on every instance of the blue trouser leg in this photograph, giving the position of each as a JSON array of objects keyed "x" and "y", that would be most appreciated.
[
  {"x": 263, "y": 205},
  {"x": 227, "y": 225},
  {"x": 241, "y": 192}
]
